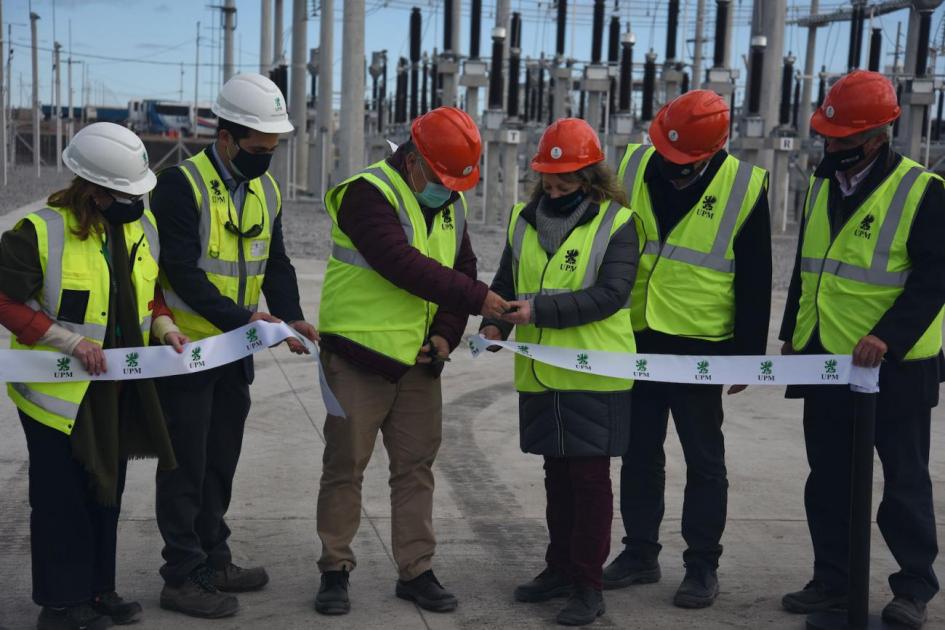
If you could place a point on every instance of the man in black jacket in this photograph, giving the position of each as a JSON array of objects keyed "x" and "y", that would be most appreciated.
[
  {"x": 860, "y": 195},
  {"x": 689, "y": 299}
]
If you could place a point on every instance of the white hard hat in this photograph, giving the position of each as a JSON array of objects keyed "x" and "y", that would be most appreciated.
[
  {"x": 253, "y": 101},
  {"x": 112, "y": 156}
]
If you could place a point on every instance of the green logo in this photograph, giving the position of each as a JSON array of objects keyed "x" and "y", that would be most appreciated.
[
  {"x": 195, "y": 354},
  {"x": 64, "y": 364},
  {"x": 703, "y": 367},
  {"x": 767, "y": 368},
  {"x": 524, "y": 350},
  {"x": 278, "y": 104},
  {"x": 131, "y": 360},
  {"x": 641, "y": 365},
  {"x": 583, "y": 361},
  {"x": 252, "y": 336},
  {"x": 830, "y": 366}
]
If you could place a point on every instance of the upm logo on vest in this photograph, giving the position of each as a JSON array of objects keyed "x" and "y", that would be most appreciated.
[
  {"x": 252, "y": 340},
  {"x": 131, "y": 364},
  {"x": 641, "y": 370},
  {"x": 707, "y": 209},
  {"x": 63, "y": 368},
  {"x": 702, "y": 371},
  {"x": 583, "y": 362},
  {"x": 215, "y": 191},
  {"x": 830, "y": 371},
  {"x": 196, "y": 361},
  {"x": 447, "y": 219},
  {"x": 863, "y": 230},
  {"x": 766, "y": 371},
  {"x": 570, "y": 260}
]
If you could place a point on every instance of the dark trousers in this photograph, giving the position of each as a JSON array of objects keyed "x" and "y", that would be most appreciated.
[
  {"x": 580, "y": 510},
  {"x": 697, "y": 412},
  {"x": 905, "y": 517},
  {"x": 205, "y": 416},
  {"x": 72, "y": 537}
]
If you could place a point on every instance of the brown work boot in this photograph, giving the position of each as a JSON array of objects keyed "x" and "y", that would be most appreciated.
[
  {"x": 198, "y": 597},
  {"x": 234, "y": 579}
]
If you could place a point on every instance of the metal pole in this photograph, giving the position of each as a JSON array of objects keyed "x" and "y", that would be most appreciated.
[
  {"x": 807, "y": 87},
  {"x": 229, "y": 12},
  {"x": 326, "y": 82},
  {"x": 278, "y": 26},
  {"x": 696, "y": 82},
  {"x": 197, "y": 83},
  {"x": 416, "y": 22},
  {"x": 70, "y": 127},
  {"x": 299, "y": 107},
  {"x": 36, "y": 158},
  {"x": 352, "y": 88},
  {"x": 3, "y": 104},
  {"x": 58, "y": 106},
  {"x": 265, "y": 37}
]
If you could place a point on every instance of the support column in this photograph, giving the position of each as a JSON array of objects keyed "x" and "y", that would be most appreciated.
[
  {"x": 265, "y": 37},
  {"x": 297, "y": 91},
  {"x": 324, "y": 118},
  {"x": 352, "y": 89},
  {"x": 36, "y": 157},
  {"x": 229, "y": 25}
]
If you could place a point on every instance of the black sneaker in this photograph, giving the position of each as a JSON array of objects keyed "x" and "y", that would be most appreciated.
[
  {"x": 198, "y": 597},
  {"x": 905, "y": 611},
  {"x": 234, "y": 579},
  {"x": 332, "y": 598},
  {"x": 584, "y": 606},
  {"x": 699, "y": 588},
  {"x": 548, "y": 584},
  {"x": 82, "y": 617},
  {"x": 628, "y": 569},
  {"x": 815, "y": 597},
  {"x": 120, "y": 611},
  {"x": 427, "y": 592}
]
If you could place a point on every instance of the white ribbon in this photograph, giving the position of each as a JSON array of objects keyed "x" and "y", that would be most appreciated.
[
  {"x": 29, "y": 366},
  {"x": 796, "y": 369}
]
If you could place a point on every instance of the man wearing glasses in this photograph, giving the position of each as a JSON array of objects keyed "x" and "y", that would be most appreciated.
[{"x": 221, "y": 246}]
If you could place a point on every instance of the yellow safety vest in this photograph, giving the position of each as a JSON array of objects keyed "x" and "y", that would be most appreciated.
[
  {"x": 72, "y": 264},
  {"x": 849, "y": 281},
  {"x": 235, "y": 265},
  {"x": 572, "y": 268},
  {"x": 361, "y": 305},
  {"x": 685, "y": 282}
]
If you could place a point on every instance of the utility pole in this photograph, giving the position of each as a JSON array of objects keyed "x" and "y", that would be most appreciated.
[
  {"x": 325, "y": 118},
  {"x": 197, "y": 83},
  {"x": 277, "y": 30},
  {"x": 352, "y": 88},
  {"x": 696, "y": 81},
  {"x": 265, "y": 37},
  {"x": 807, "y": 87},
  {"x": 3, "y": 105},
  {"x": 299, "y": 108},
  {"x": 36, "y": 159},
  {"x": 70, "y": 125},
  {"x": 229, "y": 13},
  {"x": 58, "y": 107}
]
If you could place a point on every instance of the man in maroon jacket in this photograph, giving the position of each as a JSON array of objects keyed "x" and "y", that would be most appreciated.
[{"x": 399, "y": 287}]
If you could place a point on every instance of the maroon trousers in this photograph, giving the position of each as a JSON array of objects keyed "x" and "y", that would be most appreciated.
[{"x": 579, "y": 513}]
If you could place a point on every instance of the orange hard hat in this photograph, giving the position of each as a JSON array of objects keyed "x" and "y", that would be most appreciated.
[
  {"x": 691, "y": 127},
  {"x": 858, "y": 102},
  {"x": 568, "y": 145},
  {"x": 449, "y": 141}
]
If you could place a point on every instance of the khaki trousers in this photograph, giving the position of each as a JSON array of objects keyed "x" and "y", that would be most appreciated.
[{"x": 409, "y": 415}]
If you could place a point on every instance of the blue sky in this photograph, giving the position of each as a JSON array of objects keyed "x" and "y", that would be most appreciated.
[{"x": 164, "y": 31}]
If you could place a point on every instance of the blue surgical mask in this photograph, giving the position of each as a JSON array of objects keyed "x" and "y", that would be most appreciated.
[{"x": 433, "y": 195}]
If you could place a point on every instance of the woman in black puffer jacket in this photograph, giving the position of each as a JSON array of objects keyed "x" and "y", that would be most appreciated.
[{"x": 567, "y": 271}]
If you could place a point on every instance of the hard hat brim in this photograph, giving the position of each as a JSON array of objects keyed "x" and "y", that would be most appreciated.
[
  {"x": 277, "y": 126},
  {"x": 457, "y": 184},
  {"x": 829, "y": 129},
  {"x": 540, "y": 166},
  {"x": 137, "y": 187}
]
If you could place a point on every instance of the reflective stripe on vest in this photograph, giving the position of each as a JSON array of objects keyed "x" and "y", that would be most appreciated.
[
  {"x": 236, "y": 274},
  {"x": 573, "y": 267},
  {"x": 850, "y": 279},
  {"x": 353, "y": 292},
  {"x": 72, "y": 264},
  {"x": 703, "y": 287}
]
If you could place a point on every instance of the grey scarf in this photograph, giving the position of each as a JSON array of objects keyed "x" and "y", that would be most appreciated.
[{"x": 553, "y": 228}]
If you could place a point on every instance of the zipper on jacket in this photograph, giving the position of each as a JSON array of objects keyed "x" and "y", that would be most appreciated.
[{"x": 559, "y": 421}]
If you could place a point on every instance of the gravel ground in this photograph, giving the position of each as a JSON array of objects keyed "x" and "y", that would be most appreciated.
[
  {"x": 307, "y": 232},
  {"x": 24, "y": 187}
]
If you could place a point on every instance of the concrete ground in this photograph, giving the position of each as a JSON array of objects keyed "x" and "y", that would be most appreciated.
[{"x": 489, "y": 513}]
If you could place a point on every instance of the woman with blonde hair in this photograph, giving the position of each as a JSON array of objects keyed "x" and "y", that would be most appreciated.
[
  {"x": 567, "y": 271},
  {"x": 79, "y": 277}
]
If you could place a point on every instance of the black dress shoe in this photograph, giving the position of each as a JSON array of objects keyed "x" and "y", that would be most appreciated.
[
  {"x": 120, "y": 611},
  {"x": 82, "y": 617},
  {"x": 628, "y": 568},
  {"x": 584, "y": 606},
  {"x": 548, "y": 584},
  {"x": 427, "y": 592},
  {"x": 906, "y": 611},
  {"x": 699, "y": 588},
  {"x": 332, "y": 598},
  {"x": 815, "y": 597}
]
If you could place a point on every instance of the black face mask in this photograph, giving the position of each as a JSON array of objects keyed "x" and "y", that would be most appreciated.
[
  {"x": 566, "y": 203},
  {"x": 672, "y": 171},
  {"x": 841, "y": 161},
  {"x": 247, "y": 166},
  {"x": 121, "y": 211}
]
